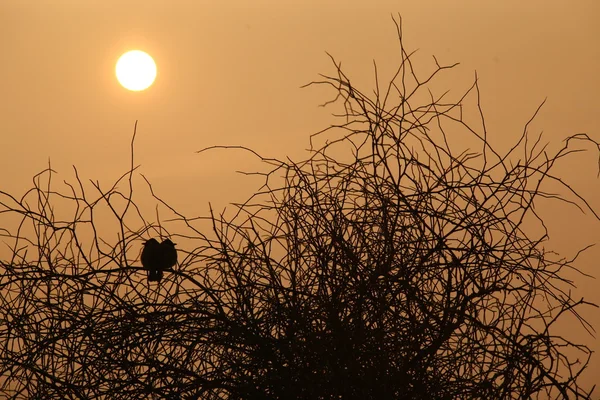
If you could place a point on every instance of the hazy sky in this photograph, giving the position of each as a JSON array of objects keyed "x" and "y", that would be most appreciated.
[{"x": 230, "y": 72}]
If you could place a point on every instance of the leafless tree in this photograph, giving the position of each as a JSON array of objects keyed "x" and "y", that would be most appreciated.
[{"x": 385, "y": 265}]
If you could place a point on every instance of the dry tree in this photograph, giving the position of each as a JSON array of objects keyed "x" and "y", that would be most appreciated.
[{"x": 384, "y": 265}]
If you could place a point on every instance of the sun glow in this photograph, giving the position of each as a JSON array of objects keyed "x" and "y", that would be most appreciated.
[{"x": 135, "y": 70}]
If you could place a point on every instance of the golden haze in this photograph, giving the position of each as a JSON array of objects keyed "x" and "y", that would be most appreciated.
[{"x": 230, "y": 74}]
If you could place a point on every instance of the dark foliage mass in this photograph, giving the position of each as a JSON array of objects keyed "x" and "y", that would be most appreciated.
[{"x": 384, "y": 266}]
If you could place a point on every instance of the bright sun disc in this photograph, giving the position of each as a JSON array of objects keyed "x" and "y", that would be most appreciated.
[{"x": 136, "y": 70}]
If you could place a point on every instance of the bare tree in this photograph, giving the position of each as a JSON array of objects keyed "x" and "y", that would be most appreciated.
[{"x": 385, "y": 265}]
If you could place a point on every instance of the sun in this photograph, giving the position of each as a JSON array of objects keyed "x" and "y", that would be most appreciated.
[{"x": 136, "y": 70}]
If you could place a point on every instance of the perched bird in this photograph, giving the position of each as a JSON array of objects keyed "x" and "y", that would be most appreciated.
[
  {"x": 168, "y": 254},
  {"x": 151, "y": 259},
  {"x": 157, "y": 257}
]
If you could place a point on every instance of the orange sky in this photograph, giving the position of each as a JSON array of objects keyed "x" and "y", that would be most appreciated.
[{"x": 230, "y": 72}]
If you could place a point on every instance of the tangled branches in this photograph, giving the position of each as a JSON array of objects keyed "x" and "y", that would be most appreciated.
[{"x": 405, "y": 272}]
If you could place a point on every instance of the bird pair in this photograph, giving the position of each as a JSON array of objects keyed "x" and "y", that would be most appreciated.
[{"x": 157, "y": 257}]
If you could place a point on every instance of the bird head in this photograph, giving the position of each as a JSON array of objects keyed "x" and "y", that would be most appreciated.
[
  {"x": 168, "y": 242},
  {"x": 150, "y": 242}
]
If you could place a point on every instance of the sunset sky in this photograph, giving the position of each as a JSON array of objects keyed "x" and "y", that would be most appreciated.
[{"x": 229, "y": 73}]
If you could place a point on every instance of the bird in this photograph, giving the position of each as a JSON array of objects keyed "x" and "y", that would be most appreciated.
[
  {"x": 157, "y": 257},
  {"x": 151, "y": 259},
  {"x": 168, "y": 254}
]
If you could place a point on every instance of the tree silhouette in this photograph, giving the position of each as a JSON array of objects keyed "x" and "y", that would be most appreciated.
[{"x": 384, "y": 266}]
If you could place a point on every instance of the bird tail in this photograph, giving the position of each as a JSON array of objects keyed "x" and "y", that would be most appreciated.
[{"x": 154, "y": 275}]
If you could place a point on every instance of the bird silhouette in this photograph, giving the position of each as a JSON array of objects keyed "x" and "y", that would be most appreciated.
[
  {"x": 157, "y": 257},
  {"x": 168, "y": 254}
]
